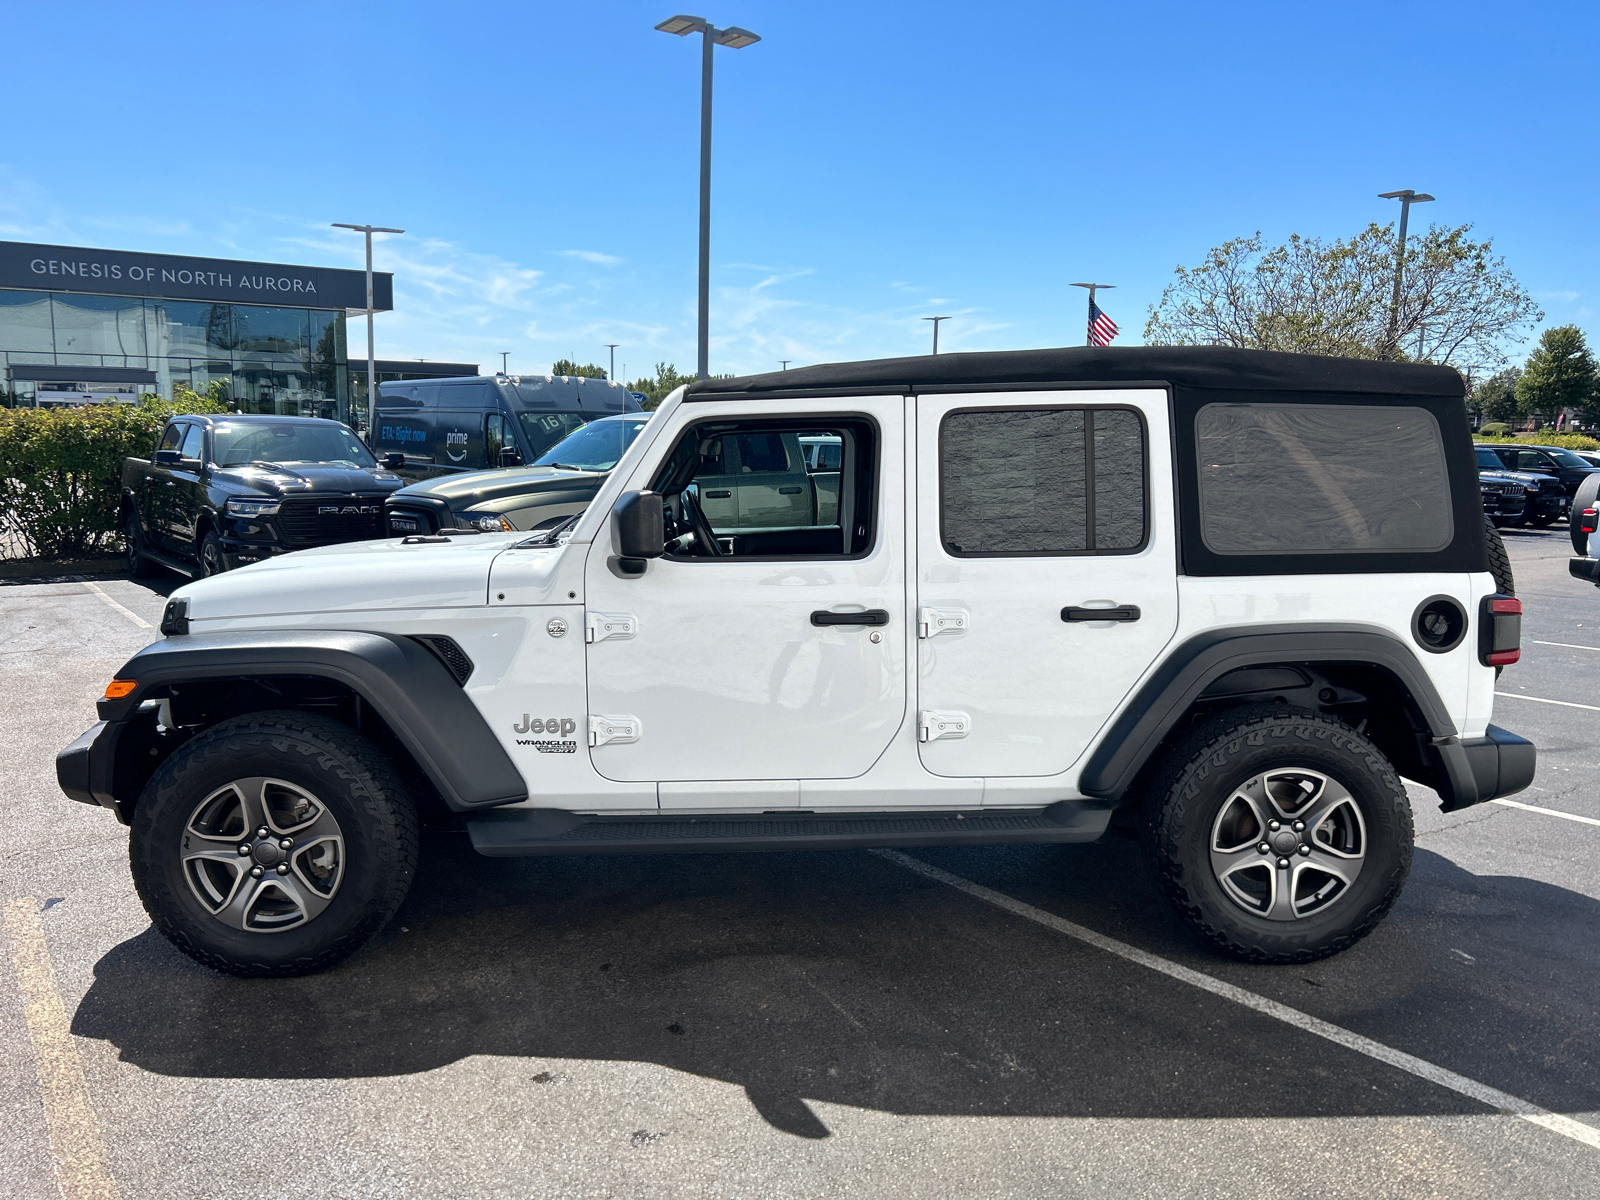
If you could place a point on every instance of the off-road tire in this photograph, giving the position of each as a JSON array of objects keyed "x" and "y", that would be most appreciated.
[
  {"x": 346, "y": 772},
  {"x": 1198, "y": 775},
  {"x": 1587, "y": 494},
  {"x": 1499, "y": 560},
  {"x": 138, "y": 565}
]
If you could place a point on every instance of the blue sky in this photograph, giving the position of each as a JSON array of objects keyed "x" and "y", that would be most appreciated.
[{"x": 874, "y": 163}]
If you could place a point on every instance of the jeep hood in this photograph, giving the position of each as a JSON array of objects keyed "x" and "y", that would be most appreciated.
[
  {"x": 478, "y": 487},
  {"x": 354, "y": 577}
]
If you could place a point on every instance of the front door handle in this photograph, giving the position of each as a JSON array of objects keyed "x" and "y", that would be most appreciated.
[
  {"x": 1122, "y": 612},
  {"x": 873, "y": 616}
]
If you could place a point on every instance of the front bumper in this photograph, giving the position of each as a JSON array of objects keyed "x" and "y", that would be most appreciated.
[{"x": 87, "y": 768}]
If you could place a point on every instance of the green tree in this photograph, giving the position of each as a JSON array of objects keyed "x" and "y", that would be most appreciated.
[
  {"x": 1458, "y": 304},
  {"x": 1496, "y": 397},
  {"x": 658, "y": 389},
  {"x": 1560, "y": 374},
  {"x": 565, "y": 366}
]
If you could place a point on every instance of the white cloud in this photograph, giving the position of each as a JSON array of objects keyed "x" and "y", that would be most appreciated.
[
  {"x": 593, "y": 256},
  {"x": 1557, "y": 297}
]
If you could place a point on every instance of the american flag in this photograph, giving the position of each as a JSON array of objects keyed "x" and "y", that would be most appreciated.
[{"x": 1101, "y": 327}]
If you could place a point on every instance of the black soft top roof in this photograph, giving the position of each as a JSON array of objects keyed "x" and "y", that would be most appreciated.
[{"x": 1205, "y": 367}]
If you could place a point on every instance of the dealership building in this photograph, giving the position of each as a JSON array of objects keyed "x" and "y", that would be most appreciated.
[{"x": 80, "y": 325}]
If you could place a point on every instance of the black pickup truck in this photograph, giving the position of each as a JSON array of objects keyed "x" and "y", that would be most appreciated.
[{"x": 224, "y": 491}]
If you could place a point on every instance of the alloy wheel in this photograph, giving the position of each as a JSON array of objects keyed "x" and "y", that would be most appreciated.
[
  {"x": 263, "y": 855},
  {"x": 1287, "y": 844}
]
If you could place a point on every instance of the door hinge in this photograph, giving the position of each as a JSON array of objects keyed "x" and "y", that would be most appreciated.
[
  {"x": 612, "y": 729},
  {"x": 931, "y": 622},
  {"x": 937, "y": 725},
  {"x": 600, "y": 626}
]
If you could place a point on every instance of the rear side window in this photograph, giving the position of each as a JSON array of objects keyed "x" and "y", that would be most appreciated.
[
  {"x": 1042, "y": 481},
  {"x": 1321, "y": 479},
  {"x": 761, "y": 454}
]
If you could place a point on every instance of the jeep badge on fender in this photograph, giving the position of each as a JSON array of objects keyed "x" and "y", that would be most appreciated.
[{"x": 943, "y": 600}]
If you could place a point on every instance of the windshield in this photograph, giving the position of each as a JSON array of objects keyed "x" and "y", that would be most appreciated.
[
  {"x": 1491, "y": 460},
  {"x": 235, "y": 445},
  {"x": 543, "y": 430},
  {"x": 595, "y": 447},
  {"x": 1566, "y": 458}
]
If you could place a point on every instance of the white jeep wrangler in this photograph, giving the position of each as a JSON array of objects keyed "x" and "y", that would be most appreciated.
[{"x": 1224, "y": 599}]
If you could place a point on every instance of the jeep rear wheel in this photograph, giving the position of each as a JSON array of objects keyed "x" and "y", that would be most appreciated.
[
  {"x": 273, "y": 844},
  {"x": 1281, "y": 835}
]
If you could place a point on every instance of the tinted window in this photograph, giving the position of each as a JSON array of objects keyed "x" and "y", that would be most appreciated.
[
  {"x": 238, "y": 443},
  {"x": 173, "y": 435},
  {"x": 543, "y": 430},
  {"x": 193, "y": 439},
  {"x": 1488, "y": 460},
  {"x": 1042, "y": 481},
  {"x": 761, "y": 453},
  {"x": 473, "y": 394},
  {"x": 1533, "y": 460},
  {"x": 1321, "y": 479}
]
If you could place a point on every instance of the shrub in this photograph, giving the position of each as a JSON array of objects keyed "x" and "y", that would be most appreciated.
[
  {"x": 61, "y": 470},
  {"x": 1495, "y": 429}
]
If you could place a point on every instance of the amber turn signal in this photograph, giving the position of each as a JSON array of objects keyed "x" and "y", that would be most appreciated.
[{"x": 118, "y": 688}]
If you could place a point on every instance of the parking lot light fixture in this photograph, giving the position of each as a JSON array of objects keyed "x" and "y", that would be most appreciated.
[
  {"x": 735, "y": 39},
  {"x": 372, "y": 363},
  {"x": 936, "y": 321},
  {"x": 612, "y": 346},
  {"x": 1407, "y": 198}
]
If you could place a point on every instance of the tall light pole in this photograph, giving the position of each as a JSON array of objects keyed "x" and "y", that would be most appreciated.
[
  {"x": 372, "y": 362},
  {"x": 504, "y": 354},
  {"x": 735, "y": 39},
  {"x": 1093, "y": 287},
  {"x": 612, "y": 346},
  {"x": 936, "y": 321},
  {"x": 1407, "y": 198},
  {"x": 786, "y": 362}
]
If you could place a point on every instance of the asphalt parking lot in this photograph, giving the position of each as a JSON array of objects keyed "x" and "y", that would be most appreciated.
[{"x": 809, "y": 1024}]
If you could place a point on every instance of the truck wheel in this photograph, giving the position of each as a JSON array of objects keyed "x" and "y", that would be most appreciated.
[
  {"x": 133, "y": 546},
  {"x": 276, "y": 843},
  {"x": 211, "y": 560},
  {"x": 1499, "y": 560},
  {"x": 1281, "y": 835},
  {"x": 1543, "y": 520}
]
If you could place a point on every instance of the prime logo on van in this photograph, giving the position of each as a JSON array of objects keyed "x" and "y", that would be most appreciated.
[{"x": 455, "y": 445}]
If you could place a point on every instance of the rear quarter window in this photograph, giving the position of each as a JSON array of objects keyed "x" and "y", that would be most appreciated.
[{"x": 1295, "y": 479}]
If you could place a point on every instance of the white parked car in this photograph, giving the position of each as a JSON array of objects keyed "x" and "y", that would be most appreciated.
[{"x": 1225, "y": 598}]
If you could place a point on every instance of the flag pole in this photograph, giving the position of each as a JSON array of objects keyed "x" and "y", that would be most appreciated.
[{"x": 1089, "y": 324}]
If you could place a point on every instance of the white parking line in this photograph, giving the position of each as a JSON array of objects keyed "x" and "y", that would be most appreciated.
[
  {"x": 127, "y": 612},
  {"x": 1542, "y": 700},
  {"x": 1460, "y": 1084},
  {"x": 1549, "y": 812},
  {"x": 1565, "y": 645}
]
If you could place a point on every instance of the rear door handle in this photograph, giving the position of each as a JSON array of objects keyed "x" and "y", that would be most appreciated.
[
  {"x": 719, "y": 494},
  {"x": 790, "y": 491},
  {"x": 1122, "y": 612},
  {"x": 873, "y": 616}
]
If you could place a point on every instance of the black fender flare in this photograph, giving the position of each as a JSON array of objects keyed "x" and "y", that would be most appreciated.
[
  {"x": 1140, "y": 729},
  {"x": 405, "y": 684}
]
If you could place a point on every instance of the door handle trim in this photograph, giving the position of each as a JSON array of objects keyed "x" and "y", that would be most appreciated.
[
  {"x": 1122, "y": 612},
  {"x": 719, "y": 494},
  {"x": 873, "y": 616},
  {"x": 790, "y": 491}
]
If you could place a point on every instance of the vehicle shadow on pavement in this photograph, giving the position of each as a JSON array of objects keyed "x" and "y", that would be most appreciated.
[{"x": 843, "y": 978}]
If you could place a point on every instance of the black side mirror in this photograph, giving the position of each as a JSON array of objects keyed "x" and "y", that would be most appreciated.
[
  {"x": 641, "y": 526},
  {"x": 168, "y": 458},
  {"x": 509, "y": 457},
  {"x": 394, "y": 460}
]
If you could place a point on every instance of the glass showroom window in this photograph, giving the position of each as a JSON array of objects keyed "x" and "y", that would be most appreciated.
[{"x": 99, "y": 330}]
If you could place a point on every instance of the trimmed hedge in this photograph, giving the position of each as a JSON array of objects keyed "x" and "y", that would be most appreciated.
[
  {"x": 1567, "y": 441},
  {"x": 61, "y": 471}
]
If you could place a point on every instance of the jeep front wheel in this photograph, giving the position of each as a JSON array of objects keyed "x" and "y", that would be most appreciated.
[
  {"x": 1281, "y": 835},
  {"x": 273, "y": 844}
]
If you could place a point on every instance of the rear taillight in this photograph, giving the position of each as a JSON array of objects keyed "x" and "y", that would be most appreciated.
[
  {"x": 1587, "y": 522},
  {"x": 1500, "y": 631}
]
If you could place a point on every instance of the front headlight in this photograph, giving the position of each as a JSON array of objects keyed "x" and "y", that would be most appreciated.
[
  {"x": 251, "y": 508},
  {"x": 485, "y": 522}
]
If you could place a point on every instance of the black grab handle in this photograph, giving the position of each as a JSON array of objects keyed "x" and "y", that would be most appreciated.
[
  {"x": 1123, "y": 612},
  {"x": 873, "y": 616}
]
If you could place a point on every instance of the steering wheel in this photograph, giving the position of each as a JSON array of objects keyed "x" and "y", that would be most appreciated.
[{"x": 704, "y": 538}]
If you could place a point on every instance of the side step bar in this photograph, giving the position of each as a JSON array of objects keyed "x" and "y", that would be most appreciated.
[{"x": 510, "y": 832}]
